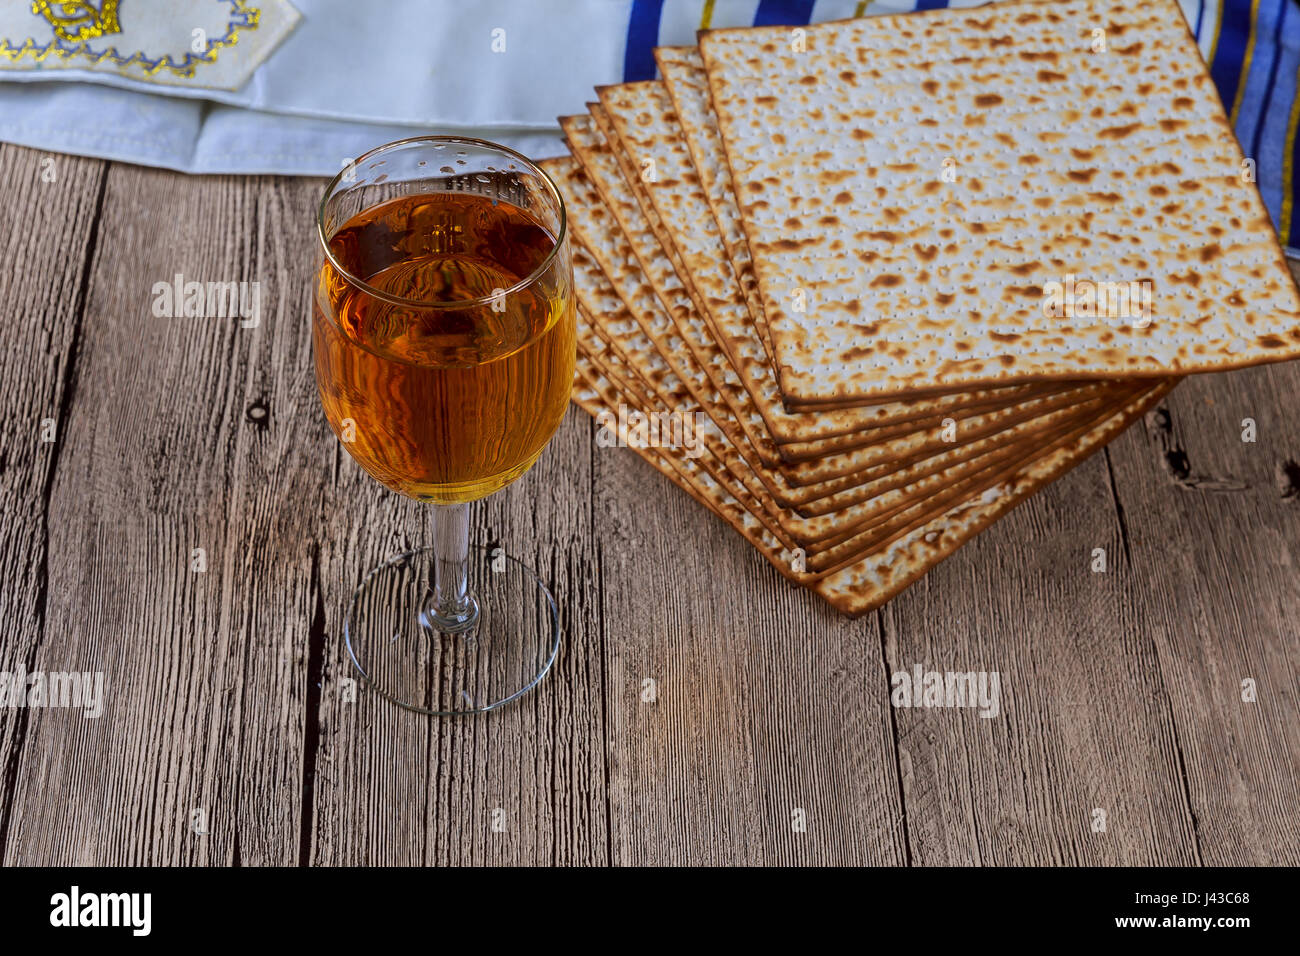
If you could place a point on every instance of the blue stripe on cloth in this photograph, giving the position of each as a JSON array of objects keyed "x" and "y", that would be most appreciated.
[
  {"x": 931, "y": 4},
  {"x": 1200, "y": 18},
  {"x": 642, "y": 36},
  {"x": 1261, "y": 74},
  {"x": 1293, "y": 240},
  {"x": 1234, "y": 34},
  {"x": 783, "y": 13},
  {"x": 1288, "y": 89},
  {"x": 1263, "y": 77}
]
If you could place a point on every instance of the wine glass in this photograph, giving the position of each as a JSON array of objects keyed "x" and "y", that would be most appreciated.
[{"x": 445, "y": 341}]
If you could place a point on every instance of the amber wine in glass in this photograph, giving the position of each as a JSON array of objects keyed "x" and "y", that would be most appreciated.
[{"x": 444, "y": 340}]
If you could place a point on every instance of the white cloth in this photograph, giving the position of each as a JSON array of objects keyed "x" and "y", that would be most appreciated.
[{"x": 332, "y": 78}]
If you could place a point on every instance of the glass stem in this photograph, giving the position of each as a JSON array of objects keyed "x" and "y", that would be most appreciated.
[{"x": 453, "y": 609}]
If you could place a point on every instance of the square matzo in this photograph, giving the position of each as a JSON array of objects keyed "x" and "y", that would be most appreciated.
[{"x": 924, "y": 193}]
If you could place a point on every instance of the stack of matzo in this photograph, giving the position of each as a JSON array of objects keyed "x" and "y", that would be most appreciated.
[{"x": 837, "y": 242}]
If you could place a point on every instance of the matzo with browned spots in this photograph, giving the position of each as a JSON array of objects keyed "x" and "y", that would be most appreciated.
[{"x": 927, "y": 187}]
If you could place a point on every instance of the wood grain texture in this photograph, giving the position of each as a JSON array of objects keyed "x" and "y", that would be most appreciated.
[
  {"x": 1080, "y": 727},
  {"x": 763, "y": 738},
  {"x": 1213, "y": 529},
  {"x": 199, "y": 752},
  {"x": 49, "y": 225},
  {"x": 768, "y": 738}
]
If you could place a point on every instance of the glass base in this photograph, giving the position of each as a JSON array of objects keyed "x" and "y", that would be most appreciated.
[{"x": 406, "y": 657}]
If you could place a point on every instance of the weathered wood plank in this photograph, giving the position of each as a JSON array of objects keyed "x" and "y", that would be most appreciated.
[
  {"x": 761, "y": 738},
  {"x": 1080, "y": 726},
  {"x": 1214, "y": 529},
  {"x": 48, "y": 224},
  {"x": 184, "y": 435}
]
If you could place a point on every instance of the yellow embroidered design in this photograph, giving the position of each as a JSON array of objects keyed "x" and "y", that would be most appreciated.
[
  {"x": 242, "y": 17},
  {"x": 75, "y": 20}
]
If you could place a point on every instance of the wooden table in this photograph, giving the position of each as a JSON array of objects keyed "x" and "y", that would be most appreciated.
[{"x": 771, "y": 739}]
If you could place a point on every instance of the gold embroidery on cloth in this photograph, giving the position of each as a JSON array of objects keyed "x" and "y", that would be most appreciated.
[
  {"x": 71, "y": 12},
  {"x": 75, "y": 20}
]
